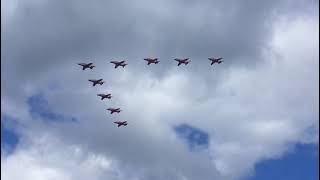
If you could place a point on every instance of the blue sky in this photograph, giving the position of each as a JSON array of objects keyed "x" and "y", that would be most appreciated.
[
  {"x": 195, "y": 139},
  {"x": 9, "y": 137},
  {"x": 39, "y": 107},
  {"x": 302, "y": 163}
]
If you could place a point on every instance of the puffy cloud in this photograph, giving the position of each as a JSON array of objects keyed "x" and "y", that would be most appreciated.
[{"x": 45, "y": 160}]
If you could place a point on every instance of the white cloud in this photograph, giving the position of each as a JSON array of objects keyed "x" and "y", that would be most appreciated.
[{"x": 50, "y": 159}]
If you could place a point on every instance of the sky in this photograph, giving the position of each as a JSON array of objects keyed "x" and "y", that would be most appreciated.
[{"x": 255, "y": 116}]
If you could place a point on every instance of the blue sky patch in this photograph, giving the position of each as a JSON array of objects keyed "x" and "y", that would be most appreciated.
[
  {"x": 39, "y": 106},
  {"x": 195, "y": 138},
  {"x": 9, "y": 138},
  {"x": 301, "y": 164}
]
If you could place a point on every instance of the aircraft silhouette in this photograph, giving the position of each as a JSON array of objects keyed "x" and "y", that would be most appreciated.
[
  {"x": 118, "y": 63},
  {"x": 113, "y": 110},
  {"x": 86, "y": 65},
  {"x": 215, "y": 60},
  {"x": 151, "y": 60},
  {"x": 182, "y": 61},
  {"x": 121, "y": 123},
  {"x": 95, "y": 82},
  {"x": 103, "y": 96}
]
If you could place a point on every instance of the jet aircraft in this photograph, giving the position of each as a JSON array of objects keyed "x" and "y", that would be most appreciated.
[
  {"x": 182, "y": 61},
  {"x": 152, "y": 60},
  {"x": 121, "y": 123},
  {"x": 119, "y": 63},
  {"x": 95, "y": 82},
  {"x": 215, "y": 60},
  {"x": 103, "y": 96},
  {"x": 113, "y": 110},
  {"x": 85, "y": 65}
]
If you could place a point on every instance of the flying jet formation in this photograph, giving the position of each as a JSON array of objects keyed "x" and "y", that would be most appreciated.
[
  {"x": 121, "y": 123},
  {"x": 95, "y": 82},
  {"x": 182, "y": 61},
  {"x": 85, "y": 65},
  {"x": 103, "y": 96},
  {"x": 149, "y": 60},
  {"x": 152, "y": 60},
  {"x": 119, "y": 63},
  {"x": 215, "y": 60},
  {"x": 113, "y": 110}
]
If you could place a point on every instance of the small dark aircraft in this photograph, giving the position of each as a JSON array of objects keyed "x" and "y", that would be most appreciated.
[
  {"x": 182, "y": 61},
  {"x": 215, "y": 60},
  {"x": 104, "y": 96},
  {"x": 95, "y": 82},
  {"x": 119, "y": 63},
  {"x": 85, "y": 66},
  {"x": 113, "y": 110},
  {"x": 121, "y": 123},
  {"x": 152, "y": 60}
]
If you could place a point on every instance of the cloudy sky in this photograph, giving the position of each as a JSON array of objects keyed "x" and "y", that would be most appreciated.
[{"x": 242, "y": 119}]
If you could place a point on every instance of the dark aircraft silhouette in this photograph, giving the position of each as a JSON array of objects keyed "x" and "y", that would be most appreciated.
[
  {"x": 85, "y": 66},
  {"x": 95, "y": 82},
  {"x": 113, "y": 110},
  {"x": 121, "y": 123},
  {"x": 150, "y": 60},
  {"x": 119, "y": 63},
  {"x": 182, "y": 61},
  {"x": 104, "y": 96},
  {"x": 215, "y": 60}
]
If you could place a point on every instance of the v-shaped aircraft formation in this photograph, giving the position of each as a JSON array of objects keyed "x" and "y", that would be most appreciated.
[{"x": 123, "y": 63}]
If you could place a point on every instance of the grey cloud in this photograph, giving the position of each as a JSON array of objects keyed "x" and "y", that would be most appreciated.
[{"x": 44, "y": 34}]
